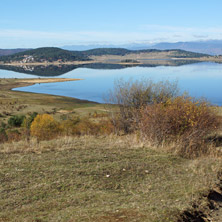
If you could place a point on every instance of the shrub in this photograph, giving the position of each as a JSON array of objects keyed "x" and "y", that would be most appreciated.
[
  {"x": 16, "y": 121},
  {"x": 26, "y": 124},
  {"x": 68, "y": 126},
  {"x": 105, "y": 127},
  {"x": 44, "y": 127},
  {"x": 180, "y": 119},
  {"x": 130, "y": 96},
  {"x": 85, "y": 126},
  {"x": 27, "y": 121}
]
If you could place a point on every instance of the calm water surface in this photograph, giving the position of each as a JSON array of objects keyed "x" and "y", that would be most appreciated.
[{"x": 199, "y": 80}]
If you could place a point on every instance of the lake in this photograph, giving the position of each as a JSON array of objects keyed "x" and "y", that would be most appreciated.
[{"x": 198, "y": 79}]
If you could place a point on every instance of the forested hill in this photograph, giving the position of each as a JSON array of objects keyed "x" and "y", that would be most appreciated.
[
  {"x": 52, "y": 54},
  {"x": 46, "y": 54}
]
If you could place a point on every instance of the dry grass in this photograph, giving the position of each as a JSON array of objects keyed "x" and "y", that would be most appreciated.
[
  {"x": 98, "y": 179},
  {"x": 22, "y": 103}
]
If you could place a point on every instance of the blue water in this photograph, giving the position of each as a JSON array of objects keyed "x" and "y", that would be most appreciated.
[{"x": 199, "y": 80}]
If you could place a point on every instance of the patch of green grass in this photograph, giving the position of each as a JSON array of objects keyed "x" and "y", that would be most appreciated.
[{"x": 98, "y": 179}]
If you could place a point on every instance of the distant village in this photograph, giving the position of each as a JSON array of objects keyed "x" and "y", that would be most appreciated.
[
  {"x": 31, "y": 59},
  {"x": 27, "y": 59}
]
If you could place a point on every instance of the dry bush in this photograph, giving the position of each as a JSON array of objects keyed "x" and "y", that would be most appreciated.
[
  {"x": 44, "y": 127},
  {"x": 13, "y": 135},
  {"x": 85, "y": 126},
  {"x": 130, "y": 96},
  {"x": 77, "y": 126},
  {"x": 182, "y": 120},
  {"x": 68, "y": 127}
]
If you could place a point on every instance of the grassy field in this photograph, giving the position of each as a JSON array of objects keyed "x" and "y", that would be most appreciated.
[
  {"x": 99, "y": 179},
  {"x": 94, "y": 178}
]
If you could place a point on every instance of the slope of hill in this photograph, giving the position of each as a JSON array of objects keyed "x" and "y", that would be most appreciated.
[
  {"x": 121, "y": 52},
  {"x": 46, "y": 54}
]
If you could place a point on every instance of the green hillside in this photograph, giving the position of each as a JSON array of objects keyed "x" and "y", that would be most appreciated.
[{"x": 46, "y": 54}]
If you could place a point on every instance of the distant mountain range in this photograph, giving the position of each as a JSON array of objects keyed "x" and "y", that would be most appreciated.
[
  {"x": 133, "y": 46},
  {"x": 211, "y": 47},
  {"x": 5, "y": 52}
]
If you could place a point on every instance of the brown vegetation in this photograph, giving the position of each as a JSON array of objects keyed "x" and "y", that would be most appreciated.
[
  {"x": 158, "y": 114},
  {"x": 181, "y": 120}
]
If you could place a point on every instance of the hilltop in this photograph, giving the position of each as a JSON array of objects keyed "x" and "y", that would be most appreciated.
[
  {"x": 122, "y": 52},
  {"x": 46, "y": 54}
]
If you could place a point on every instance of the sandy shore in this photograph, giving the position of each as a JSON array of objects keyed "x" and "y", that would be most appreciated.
[
  {"x": 9, "y": 84},
  {"x": 50, "y": 80}
]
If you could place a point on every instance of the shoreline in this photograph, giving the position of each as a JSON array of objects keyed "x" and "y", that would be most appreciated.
[
  {"x": 117, "y": 61},
  {"x": 32, "y": 81},
  {"x": 13, "y": 83},
  {"x": 16, "y": 102},
  {"x": 48, "y": 63}
]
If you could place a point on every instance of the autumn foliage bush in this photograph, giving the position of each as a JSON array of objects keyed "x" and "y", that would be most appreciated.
[
  {"x": 44, "y": 127},
  {"x": 182, "y": 119}
]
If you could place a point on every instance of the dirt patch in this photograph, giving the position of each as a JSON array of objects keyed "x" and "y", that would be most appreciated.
[{"x": 212, "y": 210}]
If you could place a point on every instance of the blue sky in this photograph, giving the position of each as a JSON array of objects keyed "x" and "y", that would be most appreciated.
[{"x": 37, "y": 23}]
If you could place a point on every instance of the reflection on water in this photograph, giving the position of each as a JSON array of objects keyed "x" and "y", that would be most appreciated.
[
  {"x": 199, "y": 79},
  {"x": 57, "y": 70}
]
